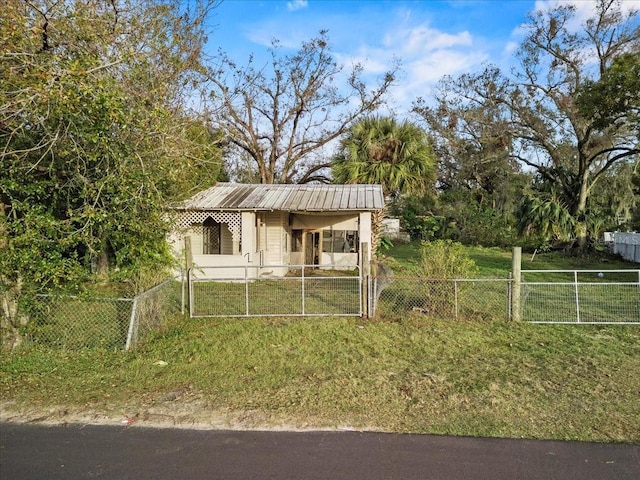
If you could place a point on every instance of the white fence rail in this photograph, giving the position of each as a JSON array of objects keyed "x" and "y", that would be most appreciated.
[{"x": 627, "y": 245}]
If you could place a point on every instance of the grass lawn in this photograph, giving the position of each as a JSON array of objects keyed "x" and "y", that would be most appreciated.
[{"x": 409, "y": 374}]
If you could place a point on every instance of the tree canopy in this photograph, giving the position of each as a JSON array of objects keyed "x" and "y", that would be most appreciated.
[
  {"x": 281, "y": 117},
  {"x": 95, "y": 138},
  {"x": 381, "y": 150},
  {"x": 550, "y": 113}
]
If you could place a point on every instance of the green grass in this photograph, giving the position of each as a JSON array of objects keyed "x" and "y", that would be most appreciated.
[
  {"x": 600, "y": 299},
  {"x": 494, "y": 262},
  {"x": 322, "y": 296},
  {"x": 400, "y": 373},
  {"x": 74, "y": 323},
  {"x": 424, "y": 376}
]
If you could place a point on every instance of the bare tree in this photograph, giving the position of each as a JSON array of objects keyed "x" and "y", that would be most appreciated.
[{"x": 281, "y": 115}]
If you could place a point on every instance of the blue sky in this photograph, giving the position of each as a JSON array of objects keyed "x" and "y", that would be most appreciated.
[{"x": 432, "y": 38}]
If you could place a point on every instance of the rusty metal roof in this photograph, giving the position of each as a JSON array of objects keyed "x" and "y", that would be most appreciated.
[{"x": 287, "y": 197}]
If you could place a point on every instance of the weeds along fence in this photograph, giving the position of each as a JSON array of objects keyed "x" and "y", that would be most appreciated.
[
  {"x": 76, "y": 322},
  {"x": 581, "y": 296},
  {"x": 297, "y": 290},
  {"x": 482, "y": 299},
  {"x": 546, "y": 296}
]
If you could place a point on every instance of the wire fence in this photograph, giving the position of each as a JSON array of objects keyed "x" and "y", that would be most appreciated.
[
  {"x": 480, "y": 299},
  {"x": 152, "y": 310},
  {"x": 588, "y": 296},
  {"x": 547, "y": 296},
  {"x": 74, "y": 323},
  {"x": 581, "y": 296},
  {"x": 77, "y": 322},
  {"x": 303, "y": 291}
]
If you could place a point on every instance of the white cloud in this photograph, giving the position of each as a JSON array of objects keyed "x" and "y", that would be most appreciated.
[
  {"x": 427, "y": 48},
  {"x": 422, "y": 38},
  {"x": 427, "y": 55},
  {"x": 423, "y": 73},
  {"x": 296, "y": 5},
  {"x": 371, "y": 63},
  {"x": 510, "y": 48},
  {"x": 584, "y": 9}
]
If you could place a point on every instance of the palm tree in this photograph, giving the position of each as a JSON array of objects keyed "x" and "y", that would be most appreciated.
[
  {"x": 545, "y": 215},
  {"x": 379, "y": 150}
]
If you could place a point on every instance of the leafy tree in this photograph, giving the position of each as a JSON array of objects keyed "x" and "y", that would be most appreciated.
[
  {"x": 539, "y": 107},
  {"x": 380, "y": 150},
  {"x": 634, "y": 222},
  {"x": 417, "y": 216},
  {"x": 94, "y": 136},
  {"x": 471, "y": 141},
  {"x": 282, "y": 116},
  {"x": 442, "y": 260},
  {"x": 546, "y": 215},
  {"x": 613, "y": 204},
  {"x": 614, "y": 97}
]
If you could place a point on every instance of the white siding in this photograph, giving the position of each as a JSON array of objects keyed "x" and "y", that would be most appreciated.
[
  {"x": 226, "y": 242},
  {"x": 627, "y": 245},
  {"x": 273, "y": 239},
  {"x": 322, "y": 222},
  {"x": 196, "y": 240}
]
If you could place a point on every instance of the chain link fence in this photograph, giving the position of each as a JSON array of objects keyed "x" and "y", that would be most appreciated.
[
  {"x": 152, "y": 310},
  {"x": 74, "y": 323},
  {"x": 547, "y": 296},
  {"x": 77, "y": 322},
  {"x": 479, "y": 299}
]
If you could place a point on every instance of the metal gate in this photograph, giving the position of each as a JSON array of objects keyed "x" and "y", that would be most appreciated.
[
  {"x": 275, "y": 290},
  {"x": 581, "y": 296}
]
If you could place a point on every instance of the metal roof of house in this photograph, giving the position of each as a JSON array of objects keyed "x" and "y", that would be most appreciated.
[{"x": 287, "y": 197}]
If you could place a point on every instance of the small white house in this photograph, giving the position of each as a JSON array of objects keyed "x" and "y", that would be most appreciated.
[{"x": 273, "y": 226}]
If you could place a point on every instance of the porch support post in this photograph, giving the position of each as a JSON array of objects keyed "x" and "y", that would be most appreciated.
[{"x": 365, "y": 278}]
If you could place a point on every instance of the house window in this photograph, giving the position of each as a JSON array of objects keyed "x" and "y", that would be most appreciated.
[
  {"x": 296, "y": 240},
  {"x": 211, "y": 237},
  {"x": 339, "y": 241}
]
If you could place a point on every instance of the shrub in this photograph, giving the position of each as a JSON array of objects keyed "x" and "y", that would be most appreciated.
[{"x": 446, "y": 259}]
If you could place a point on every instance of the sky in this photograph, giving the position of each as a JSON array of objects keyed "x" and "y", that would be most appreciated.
[{"x": 431, "y": 38}]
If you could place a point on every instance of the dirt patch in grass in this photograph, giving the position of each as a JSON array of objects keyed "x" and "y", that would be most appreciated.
[{"x": 191, "y": 412}]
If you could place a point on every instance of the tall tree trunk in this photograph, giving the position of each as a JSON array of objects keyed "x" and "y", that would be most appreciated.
[
  {"x": 376, "y": 230},
  {"x": 10, "y": 291},
  {"x": 102, "y": 260},
  {"x": 580, "y": 228}
]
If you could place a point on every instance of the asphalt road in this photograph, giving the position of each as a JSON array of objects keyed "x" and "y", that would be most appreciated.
[{"x": 132, "y": 452}]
